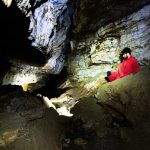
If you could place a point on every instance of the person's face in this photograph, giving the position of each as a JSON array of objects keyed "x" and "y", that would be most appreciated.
[{"x": 125, "y": 56}]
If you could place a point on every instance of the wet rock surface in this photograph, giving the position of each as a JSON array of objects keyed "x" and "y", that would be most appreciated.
[
  {"x": 106, "y": 116},
  {"x": 109, "y": 120},
  {"x": 113, "y": 120},
  {"x": 26, "y": 123}
]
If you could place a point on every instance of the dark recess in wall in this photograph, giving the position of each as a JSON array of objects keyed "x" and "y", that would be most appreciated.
[
  {"x": 14, "y": 36},
  {"x": 51, "y": 89},
  {"x": 93, "y": 14}
]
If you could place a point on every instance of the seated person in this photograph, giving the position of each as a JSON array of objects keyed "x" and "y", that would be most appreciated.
[
  {"x": 128, "y": 65},
  {"x": 111, "y": 76}
]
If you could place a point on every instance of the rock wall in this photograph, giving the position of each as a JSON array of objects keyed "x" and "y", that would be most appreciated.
[
  {"x": 129, "y": 96},
  {"x": 26, "y": 124},
  {"x": 93, "y": 14},
  {"x": 95, "y": 54},
  {"x": 25, "y": 75},
  {"x": 49, "y": 26},
  {"x": 48, "y": 29},
  {"x": 48, "y": 33}
]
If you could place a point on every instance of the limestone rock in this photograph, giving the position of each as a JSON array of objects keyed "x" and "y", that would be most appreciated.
[
  {"x": 129, "y": 96},
  {"x": 98, "y": 53},
  {"x": 28, "y": 124},
  {"x": 93, "y": 14}
]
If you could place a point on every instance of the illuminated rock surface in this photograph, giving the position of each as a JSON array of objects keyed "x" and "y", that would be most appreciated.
[
  {"x": 95, "y": 55},
  {"x": 86, "y": 112},
  {"x": 118, "y": 114}
]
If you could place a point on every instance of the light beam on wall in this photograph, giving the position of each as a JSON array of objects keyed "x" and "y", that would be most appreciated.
[
  {"x": 7, "y": 2},
  {"x": 20, "y": 79}
]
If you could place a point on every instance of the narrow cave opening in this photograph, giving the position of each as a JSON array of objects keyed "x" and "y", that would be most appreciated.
[
  {"x": 15, "y": 45},
  {"x": 14, "y": 36},
  {"x": 51, "y": 88}
]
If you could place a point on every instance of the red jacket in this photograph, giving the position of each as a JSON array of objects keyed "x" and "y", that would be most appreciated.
[
  {"x": 128, "y": 66},
  {"x": 114, "y": 75}
]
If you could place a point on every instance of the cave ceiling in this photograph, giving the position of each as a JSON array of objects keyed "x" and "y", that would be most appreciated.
[
  {"x": 89, "y": 16},
  {"x": 93, "y": 14}
]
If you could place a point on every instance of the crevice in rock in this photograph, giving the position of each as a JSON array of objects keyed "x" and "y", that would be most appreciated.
[
  {"x": 118, "y": 119},
  {"x": 51, "y": 88},
  {"x": 14, "y": 37}
]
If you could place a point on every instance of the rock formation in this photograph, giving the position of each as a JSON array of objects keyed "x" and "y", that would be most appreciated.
[
  {"x": 95, "y": 55},
  {"x": 85, "y": 38}
]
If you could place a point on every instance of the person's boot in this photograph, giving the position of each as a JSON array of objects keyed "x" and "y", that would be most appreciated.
[{"x": 107, "y": 79}]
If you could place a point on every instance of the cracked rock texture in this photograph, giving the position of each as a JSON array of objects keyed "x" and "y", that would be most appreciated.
[{"x": 93, "y": 56}]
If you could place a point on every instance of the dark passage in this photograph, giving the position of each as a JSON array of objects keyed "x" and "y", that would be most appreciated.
[{"x": 14, "y": 36}]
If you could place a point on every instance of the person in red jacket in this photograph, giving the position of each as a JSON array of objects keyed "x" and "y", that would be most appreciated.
[
  {"x": 129, "y": 64},
  {"x": 112, "y": 75}
]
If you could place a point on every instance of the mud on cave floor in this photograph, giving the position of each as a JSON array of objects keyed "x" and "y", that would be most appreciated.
[
  {"x": 103, "y": 129},
  {"x": 26, "y": 124},
  {"x": 80, "y": 138}
]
